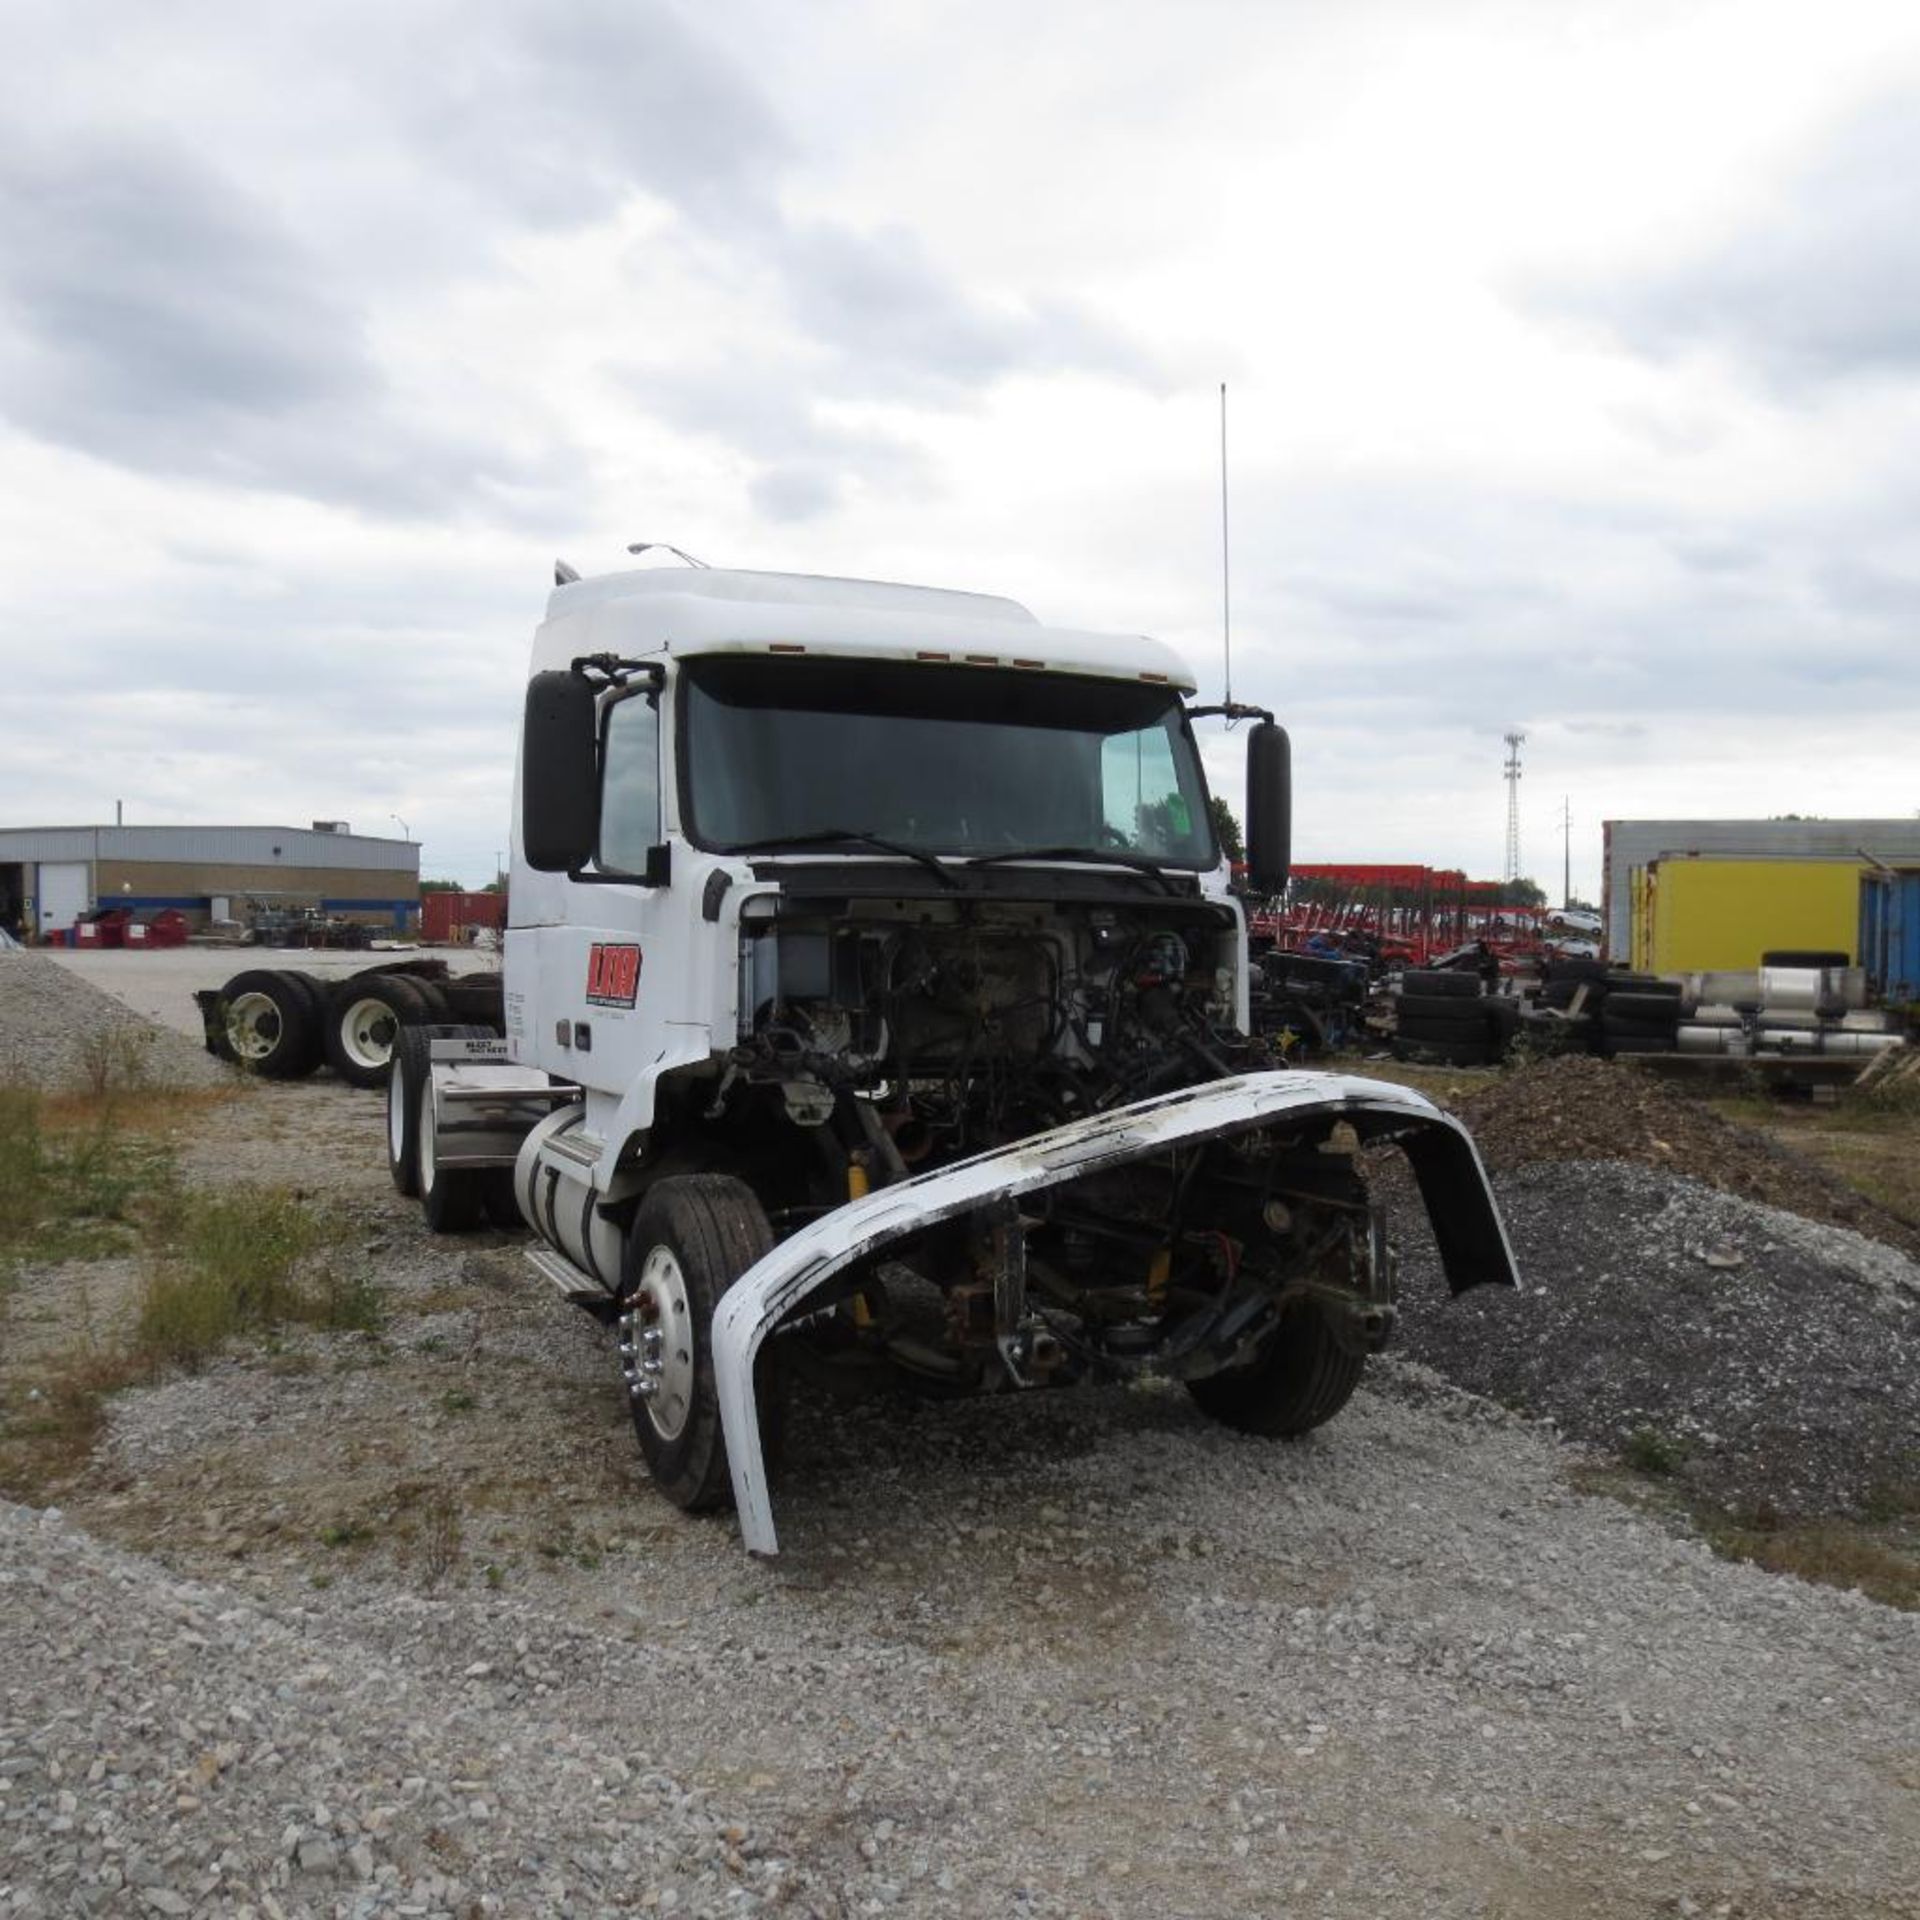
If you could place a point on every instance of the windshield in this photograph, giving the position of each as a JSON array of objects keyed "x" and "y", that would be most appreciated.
[{"x": 960, "y": 760}]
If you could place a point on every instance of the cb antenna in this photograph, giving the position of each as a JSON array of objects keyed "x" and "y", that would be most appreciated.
[
  {"x": 1229, "y": 709},
  {"x": 1226, "y": 597}
]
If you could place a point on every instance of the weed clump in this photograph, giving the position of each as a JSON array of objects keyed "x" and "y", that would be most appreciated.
[
  {"x": 75, "y": 1187},
  {"x": 1649, "y": 1451},
  {"x": 242, "y": 1262}
]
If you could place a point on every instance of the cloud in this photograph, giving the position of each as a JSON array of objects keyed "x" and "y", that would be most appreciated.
[
  {"x": 556, "y": 113},
  {"x": 882, "y": 305},
  {"x": 160, "y": 317},
  {"x": 1548, "y": 611},
  {"x": 1819, "y": 284}
]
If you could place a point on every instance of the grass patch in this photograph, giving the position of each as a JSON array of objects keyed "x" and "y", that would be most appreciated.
[
  {"x": 1869, "y": 1138},
  {"x": 246, "y": 1261},
  {"x": 74, "y": 1183},
  {"x": 1649, "y": 1451},
  {"x": 1877, "y": 1554},
  {"x": 85, "y": 1178},
  {"x": 1831, "y": 1553},
  {"x": 49, "y": 1431}
]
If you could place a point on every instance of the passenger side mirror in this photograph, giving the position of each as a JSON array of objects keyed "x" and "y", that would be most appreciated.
[
  {"x": 1269, "y": 809},
  {"x": 559, "y": 773}
]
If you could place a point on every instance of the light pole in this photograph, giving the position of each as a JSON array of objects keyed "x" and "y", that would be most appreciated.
[{"x": 406, "y": 832}]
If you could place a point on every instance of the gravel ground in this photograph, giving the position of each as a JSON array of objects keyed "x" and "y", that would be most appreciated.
[
  {"x": 356, "y": 1624},
  {"x": 60, "y": 1033},
  {"x": 1777, "y": 1358},
  {"x": 1093, "y": 1656}
]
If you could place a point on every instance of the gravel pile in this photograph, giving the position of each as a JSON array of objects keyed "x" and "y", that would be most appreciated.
[
  {"x": 62, "y": 1034},
  {"x": 1771, "y": 1359},
  {"x": 1580, "y": 1108}
]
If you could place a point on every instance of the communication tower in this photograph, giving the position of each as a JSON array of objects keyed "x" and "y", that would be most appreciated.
[{"x": 1514, "y": 740}]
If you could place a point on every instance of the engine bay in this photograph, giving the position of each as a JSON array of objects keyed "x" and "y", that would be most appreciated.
[
  {"x": 890, "y": 1038},
  {"x": 964, "y": 1025}
]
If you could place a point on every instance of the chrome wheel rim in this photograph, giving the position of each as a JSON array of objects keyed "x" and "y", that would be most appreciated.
[{"x": 657, "y": 1344}]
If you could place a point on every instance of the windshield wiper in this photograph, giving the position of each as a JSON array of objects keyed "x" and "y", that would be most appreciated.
[
  {"x": 846, "y": 836},
  {"x": 1104, "y": 856}
]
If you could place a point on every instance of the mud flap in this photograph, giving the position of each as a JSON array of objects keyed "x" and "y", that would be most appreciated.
[{"x": 1466, "y": 1223}]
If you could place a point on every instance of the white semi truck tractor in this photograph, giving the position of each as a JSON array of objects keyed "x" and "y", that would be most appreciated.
[{"x": 876, "y": 1006}]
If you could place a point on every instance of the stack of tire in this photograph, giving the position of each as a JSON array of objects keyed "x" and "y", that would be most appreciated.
[
  {"x": 1629, "y": 1013},
  {"x": 1564, "y": 979},
  {"x": 282, "y": 1024},
  {"x": 1640, "y": 1014},
  {"x": 1443, "y": 1019}
]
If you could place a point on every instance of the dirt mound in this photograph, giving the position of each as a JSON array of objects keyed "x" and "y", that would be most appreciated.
[
  {"x": 63, "y": 1035},
  {"x": 1580, "y": 1108}
]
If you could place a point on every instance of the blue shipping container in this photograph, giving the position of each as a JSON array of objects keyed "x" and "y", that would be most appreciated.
[{"x": 1890, "y": 934}]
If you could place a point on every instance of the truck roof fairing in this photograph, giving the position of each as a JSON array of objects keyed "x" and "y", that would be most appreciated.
[
  {"x": 693, "y": 611},
  {"x": 1473, "y": 1244}
]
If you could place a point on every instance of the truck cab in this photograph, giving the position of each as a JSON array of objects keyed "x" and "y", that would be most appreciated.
[{"x": 872, "y": 962}]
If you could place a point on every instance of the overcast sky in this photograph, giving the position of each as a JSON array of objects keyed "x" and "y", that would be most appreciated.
[{"x": 1573, "y": 349}]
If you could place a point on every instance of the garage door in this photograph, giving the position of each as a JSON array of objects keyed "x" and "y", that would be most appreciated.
[{"x": 64, "y": 894}]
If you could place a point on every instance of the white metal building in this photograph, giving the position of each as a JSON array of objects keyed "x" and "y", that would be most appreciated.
[{"x": 50, "y": 876}]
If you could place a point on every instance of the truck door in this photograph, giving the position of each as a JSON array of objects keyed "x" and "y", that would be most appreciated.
[{"x": 619, "y": 957}]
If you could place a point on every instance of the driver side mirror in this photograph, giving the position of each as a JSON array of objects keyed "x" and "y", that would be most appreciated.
[
  {"x": 1269, "y": 809},
  {"x": 559, "y": 773}
]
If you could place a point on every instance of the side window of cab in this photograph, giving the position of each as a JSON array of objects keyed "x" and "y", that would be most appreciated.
[{"x": 630, "y": 785}]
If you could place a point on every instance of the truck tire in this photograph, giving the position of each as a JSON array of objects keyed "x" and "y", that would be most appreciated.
[
  {"x": 408, "y": 1071},
  {"x": 694, "y": 1236},
  {"x": 479, "y": 999},
  {"x": 454, "y": 1199},
  {"x": 268, "y": 1017},
  {"x": 406, "y": 1080},
  {"x": 1662, "y": 1009},
  {"x": 1299, "y": 1380},
  {"x": 1441, "y": 1020},
  {"x": 1436, "y": 981},
  {"x": 364, "y": 1018}
]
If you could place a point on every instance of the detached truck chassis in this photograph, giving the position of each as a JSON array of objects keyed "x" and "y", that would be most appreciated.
[{"x": 876, "y": 1015}]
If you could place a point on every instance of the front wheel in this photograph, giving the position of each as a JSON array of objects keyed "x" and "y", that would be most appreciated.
[
  {"x": 1298, "y": 1381},
  {"x": 693, "y": 1237}
]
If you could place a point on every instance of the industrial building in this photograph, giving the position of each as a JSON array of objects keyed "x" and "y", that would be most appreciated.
[
  {"x": 1691, "y": 895},
  {"x": 51, "y": 876}
]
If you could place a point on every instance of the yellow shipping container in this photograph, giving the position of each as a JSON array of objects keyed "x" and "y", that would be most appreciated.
[{"x": 1691, "y": 915}]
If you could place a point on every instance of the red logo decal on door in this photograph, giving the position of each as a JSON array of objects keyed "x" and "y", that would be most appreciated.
[{"x": 613, "y": 976}]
